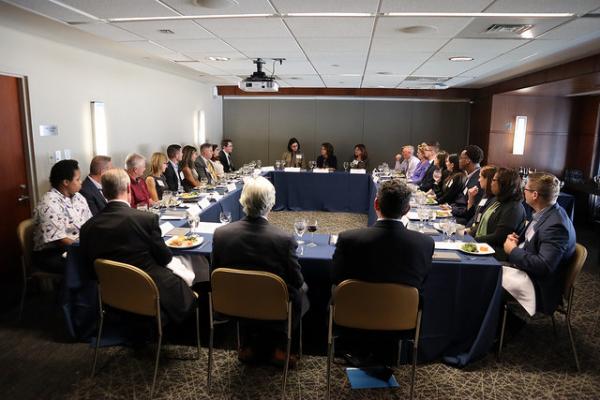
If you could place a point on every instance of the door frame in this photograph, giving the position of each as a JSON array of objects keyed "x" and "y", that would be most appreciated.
[{"x": 27, "y": 135}]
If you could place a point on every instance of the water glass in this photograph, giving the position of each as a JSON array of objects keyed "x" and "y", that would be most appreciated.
[
  {"x": 258, "y": 163},
  {"x": 166, "y": 198},
  {"x": 193, "y": 222},
  {"x": 451, "y": 229},
  {"x": 346, "y": 166},
  {"x": 300, "y": 228},
  {"x": 225, "y": 217},
  {"x": 142, "y": 207}
]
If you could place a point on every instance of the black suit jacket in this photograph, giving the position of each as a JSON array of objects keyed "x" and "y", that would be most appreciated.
[
  {"x": 93, "y": 196},
  {"x": 459, "y": 208},
  {"x": 509, "y": 217},
  {"x": 124, "y": 234},
  {"x": 384, "y": 252},
  {"x": 331, "y": 162},
  {"x": 450, "y": 189},
  {"x": 254, "y": 244},
  {"x": 545, "y": 257},
  {"x": 428, "y": 181},
  {"x": 227, "y": 166},
  {"x": 202, "y": 169},
  {"x": 172, "y": 177}
]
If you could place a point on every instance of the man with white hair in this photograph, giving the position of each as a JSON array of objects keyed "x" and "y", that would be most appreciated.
[
  {"x": 127, "y": 235},
  {"x": 135, "y": 165},
  {"x": 407, "y": 162},
  {"x": 254, "y": 244}
]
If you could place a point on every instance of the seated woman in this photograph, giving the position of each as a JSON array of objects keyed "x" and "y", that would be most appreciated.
[
  {"x": 423, "y": 165},
  {"x": 188, "y": 169},
  {"x": 505, "y": 215},
  {"x": 156, "y": 181},
  {"x": 327, "y": 159},
  {"x": 360, "y": 160},
  {"x": 448, "y": 189},
  {"x": 486, "y": 174},
  {"x": 58, "y": 217},
  {"x": 216, "y": 162},
  {"x": 293, "y": 157}
]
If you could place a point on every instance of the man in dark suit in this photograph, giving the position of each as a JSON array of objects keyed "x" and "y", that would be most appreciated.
[
  {"x": 172, "y": 172},
  {"x": 124, "y": 234},
  {"x": 225, "y": 155},
  {"x": 203, "y": 164},
  {"x": 91, "y": 188},
  {"x": 252, "y": 243},
  {"x": 469, "y": 162},
  {"x": 386, "y": 251},
  {"x": 428, "y": 181},
  {"x": 540, "y": 255}
]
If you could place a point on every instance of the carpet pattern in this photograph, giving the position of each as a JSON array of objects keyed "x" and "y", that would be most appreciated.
[{"x": 536, "y": 364}]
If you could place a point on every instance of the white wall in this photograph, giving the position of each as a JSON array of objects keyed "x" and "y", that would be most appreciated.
[{"x": 146, "y": 109}]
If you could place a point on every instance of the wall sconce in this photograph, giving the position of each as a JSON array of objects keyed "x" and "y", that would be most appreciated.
[
  {"x": 519, "y": 139},
  {"x": 200, "y": 128},
  {"x": 99, "y": 128}
]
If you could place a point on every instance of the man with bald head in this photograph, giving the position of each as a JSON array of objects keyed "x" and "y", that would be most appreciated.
[{"x": 91, "y": 188}]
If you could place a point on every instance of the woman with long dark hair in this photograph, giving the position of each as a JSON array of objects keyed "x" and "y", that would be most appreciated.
[
  {"x": 188, "y": 169},
  {"x": 293, "y": 157},
  {"x": 327, "y": 159},
  {"x": 449, "y": 188},
  {"x": 360, "y": 159}
]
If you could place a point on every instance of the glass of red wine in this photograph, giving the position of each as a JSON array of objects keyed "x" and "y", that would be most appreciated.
[{"x": 312, "y": 228}]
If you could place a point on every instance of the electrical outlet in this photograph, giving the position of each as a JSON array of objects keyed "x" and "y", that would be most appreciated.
[
  {"x": 57, "y": 156},
  {"x": 67, "y": 153}
]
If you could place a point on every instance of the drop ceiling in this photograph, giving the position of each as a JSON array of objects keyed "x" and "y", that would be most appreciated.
[{"x": 367, "y": 51}]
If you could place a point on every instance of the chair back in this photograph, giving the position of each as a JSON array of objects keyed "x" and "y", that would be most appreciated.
[
  {"x": 127, "y": 288},
  {"x": 249, "y": 294},
  {"x": 375, "y": 306},
  {"x": 574, "y": 267},
  {"x": 25, "y": 233}
]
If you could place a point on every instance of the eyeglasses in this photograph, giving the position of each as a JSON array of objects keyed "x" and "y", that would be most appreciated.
[{"x": 529, "y": 190}]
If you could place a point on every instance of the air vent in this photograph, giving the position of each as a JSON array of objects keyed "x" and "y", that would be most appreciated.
[
  {"x": 427, "y": 79},
  {"x": 516, "y": 29},
  {"x": 166, "y": 31}
]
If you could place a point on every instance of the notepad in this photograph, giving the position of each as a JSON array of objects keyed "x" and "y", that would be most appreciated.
[{"x": 446, "y": 256}]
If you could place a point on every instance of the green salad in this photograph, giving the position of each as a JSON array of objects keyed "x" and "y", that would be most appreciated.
[{"x": 470, "y": 247}]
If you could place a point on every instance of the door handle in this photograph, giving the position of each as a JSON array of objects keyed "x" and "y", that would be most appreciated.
[{"x": 22, "y": 198}]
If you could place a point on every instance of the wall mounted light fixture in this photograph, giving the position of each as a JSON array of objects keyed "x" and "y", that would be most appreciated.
[
  {"x": 99, "y": 128},
  {"x": 519, "y": 139}
]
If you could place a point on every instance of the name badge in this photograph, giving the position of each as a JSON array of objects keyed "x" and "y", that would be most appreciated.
[
  {"x": 482, "y": 202},
  {"x": 181, "y": 176},
  {"x": 231, "y": 187},
  {"x": 450, "y": 183},
  {"x": 160, "y": 183},
  {"x": 465, "y": 191},
  {"x": 529, "y": 234}
]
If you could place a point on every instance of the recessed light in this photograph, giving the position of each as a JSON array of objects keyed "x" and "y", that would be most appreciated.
[
  {"x": 215, "y": 3},
  {"x": 383, "y": 73},
  {"x": 211, "y": 58},
  {"x": 461, "y": 58},
  {"x": 335, "y": 65}
]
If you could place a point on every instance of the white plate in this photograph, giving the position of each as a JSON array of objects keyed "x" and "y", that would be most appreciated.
[
  {"x": 199, "y": 240},
  {"x": 488, "y": 249}
]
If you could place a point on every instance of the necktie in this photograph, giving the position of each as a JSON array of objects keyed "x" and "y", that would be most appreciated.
[{"x": 211, "y": 170}]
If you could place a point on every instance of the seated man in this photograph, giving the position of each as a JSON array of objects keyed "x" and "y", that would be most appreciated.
[
  {"x": 386, "y": 252},
  {"x": 406, "y": 163},
  {"x": 469, "y": 162},
  {"x": 254, "y": 244},
  {"x": 539, "y": 256},
  {"x": 136, "y": 166},
  {"x": 91, "y": 188},
  {"x": 204, "y": 165},
  {"x": 124, "y": 234}
]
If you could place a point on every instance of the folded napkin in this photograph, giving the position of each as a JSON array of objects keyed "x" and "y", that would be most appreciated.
[{"x": 181, "y": 271}]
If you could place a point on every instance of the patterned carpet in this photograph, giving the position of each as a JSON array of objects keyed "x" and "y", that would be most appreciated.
[{"x": 535, "y": 364}]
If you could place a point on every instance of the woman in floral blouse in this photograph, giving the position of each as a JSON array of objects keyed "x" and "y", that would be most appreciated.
[{"x": 58, "y": 217}]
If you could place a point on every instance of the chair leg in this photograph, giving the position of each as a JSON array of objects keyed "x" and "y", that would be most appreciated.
[
  {"x": 399, "y": 353},
  {"x": 210, "y": 356},
  {"x": 237, "y": 332},
  {"x": 198, "y": 332},
  {"x": 502, "y": 332},
  {"x": 330, "y": 350},
  {"x": 23, "y": 293},
  {"x": 286, "y": 366},
  {"x": 156, "y": 364},
  {"x": 97, "y": 343},
  {"x": 300, "y": 341},
  {"x": 414, "y": 368},
  {"x": 554, "y": 325},
  {"x": 568, "y": 318}
]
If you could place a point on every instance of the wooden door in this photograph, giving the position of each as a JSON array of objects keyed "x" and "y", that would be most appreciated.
[{"x": 14, "y": 193}]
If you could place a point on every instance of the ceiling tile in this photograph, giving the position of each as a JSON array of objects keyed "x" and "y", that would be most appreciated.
[
  {"x": 311, "y": 6},
  {"x": 544, "y": 6},
  {"x": 207, "y": 69},
  {"x": 341, "y": 45},
  {"x": 108, "y": 31},
  {"x": 390, "y": 45},
  {"x": 439, "y": 65},
  {"x": 324, "y": 27},
  {"x": 442, "y": 27},
  {"x": 204, "y": 46},
  {"x": 121, "y": 9},
  {"x": 294, "y": 68},
  {"x": 301, "y": 80},
  {"x": 51, "y": 10},
  {"x": 180, "y": 29},
  {"x": 264, "y": 45},
  {"x": 150, "y": 48},
  {"x": 245, "y": 27},
  {"x": 187, "y": 7},
  {"x": 480, "y": 47},
  {"x": 341, "y": 81},
  {"x": 575, "y": 29},
  {"x": 388, "y": 81},
  {"x": 434, "y": 5},
  {"x": 479, "y": 26},
  {"x": 338, "y": 63},
  {"x": 398, "y": 64}
]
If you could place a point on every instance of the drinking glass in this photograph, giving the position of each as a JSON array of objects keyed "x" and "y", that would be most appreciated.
[
  {"x": 300, "y": 228},
  {"x": 166, "y": 198},
  {"x": 451, "y": 224},
  {"x": 203, "y": 182},
  {"x": 422, "y": 213},
  {"x": 193, "y": 222},
  {"x": 277, "y": 164},
  {"x": 312, "y": 165},
  {"x": 312, "y": 228},
  {"x": 225, "y": 217},
  {"x": 258, "y": 163},
  {"x": 346, "y": 166},
  {"x": 142, "y": 207}
]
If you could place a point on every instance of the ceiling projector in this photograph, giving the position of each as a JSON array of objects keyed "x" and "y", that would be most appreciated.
[{"x": 259, "y": 81}]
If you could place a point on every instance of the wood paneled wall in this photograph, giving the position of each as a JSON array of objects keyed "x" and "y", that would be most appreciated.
[
  {"x": 547, "y": 135},
  {"x": 582, "y": 150}
]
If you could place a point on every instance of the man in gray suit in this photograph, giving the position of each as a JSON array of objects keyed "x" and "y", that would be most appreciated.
[{"x": 204, "y": 165}]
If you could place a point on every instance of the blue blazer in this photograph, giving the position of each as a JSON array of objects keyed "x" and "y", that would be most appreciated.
[
  {"x": 545, "y": 257},
  {"x": 94, "y": 198}
]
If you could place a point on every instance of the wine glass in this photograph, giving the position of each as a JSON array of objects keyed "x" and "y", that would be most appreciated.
[
  {"x": 258, "y": 164},
  {"x": 346, "y": 166},
  {"x": 312, "y": 228},
  {"x": 193, "y": 221},
  {"x": 312, "y": 165},
  {"x": 451, "y": 229},
  {"x": 225, "y": 217},
  {"x": 142, "y": 207},
  {"x": 422, "y": 214},
  {"x": 203, "y": 182},
  {"x": 300, "y": 228},
  {"x": 166, "y": 198}
]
